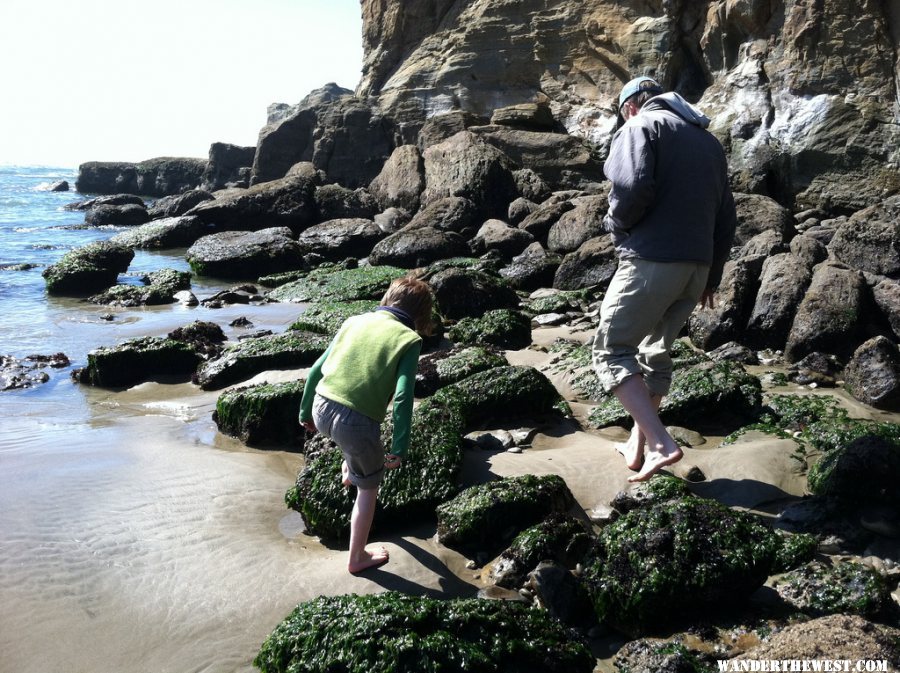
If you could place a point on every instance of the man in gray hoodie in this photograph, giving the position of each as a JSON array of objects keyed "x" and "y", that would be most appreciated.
[{"x": 672, "y": 220}]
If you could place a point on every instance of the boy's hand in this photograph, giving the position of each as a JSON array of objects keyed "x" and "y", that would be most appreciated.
[
  {"x": 310, "y": 427},
  {"x": 392, "y": 462}
]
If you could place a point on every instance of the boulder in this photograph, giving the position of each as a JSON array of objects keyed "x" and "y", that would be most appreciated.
[
  {"x": 847, "y": 588},
  {"x": 16, "y": 374},
  {"x": 177, "y": 204},
  {"x": 263, "y": 415},
  {"x": 108, "y": 200},
  {"x": 593, "y": 264},
  {"x": 727, "y": 320},
  {"x": 249, "y": 357},
  {"x": 442, "y": 126},
  {"x": 828, "y": 319},
  {"x": 577, "y": 226},
  {"x": 125, "y": 216},
  {"x": 870, "y": 239},
  {"x": 499, "y": 236},
  {"x": 334, "y": 202},
  {"x": 859, "y": 468},
  {"x": 809, "y": 250},
  {"x": 887, "y": 298},
  {"x": 205, "y": 337},
  {"x": 87, "y": 269},
  {"x": 335, "y": 240},
  {"x": 137, "y": 360},
  {"x": 463, "y": 293},
  {"x": 333, "y": 283},
  {"x": 408, "y": 634},
  {"x": 782, "y": 285},
  {"x": 59, "y": 186},
  {"x": 520, "y": 209},
  {"x": 534, "y": 268},
  {"x": 155, "y": 177},
  {"x": 413, "y": 247},
  {"x": 465, "y": 166},
  {"x": 392, "y": 220},
  {"x": 658, "y": 489},
  {"x": 757, "y": 213},
  {"x": 503, "y": 328},
  {"x": 326, "y": 317},
  {"x": 288, "y": 202},
  {"x": 529, "y": 116},
  {"x": 873, "y": 374},
  {"x": 483, "y": 519},
  {"x": 764, "y": 244},
  {"x": 531, "y": 186},
  {"x": 661, "y": 656},
  {"x": 401, "y": 181},
  {"x": 245, "y": 255},
  {"x": 644, "y": 575},
  {"x": 454, "y": 213},
  {"x": 539, "y": 223},
  {"x": 228, "y": 166},
  {"x": 443, "y": 368},
  {"x": 160, "y": 287},
  {"x": 169, "y": 232}
]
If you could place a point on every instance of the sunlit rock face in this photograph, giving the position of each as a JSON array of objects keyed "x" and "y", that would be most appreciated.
[{"x": 803, "y": 93}]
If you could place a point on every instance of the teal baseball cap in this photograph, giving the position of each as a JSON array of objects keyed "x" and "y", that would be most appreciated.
[{"x": 637, "y": 85}]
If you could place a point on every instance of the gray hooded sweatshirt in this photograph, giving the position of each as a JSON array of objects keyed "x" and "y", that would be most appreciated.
[{"x": 670, "y": 200}]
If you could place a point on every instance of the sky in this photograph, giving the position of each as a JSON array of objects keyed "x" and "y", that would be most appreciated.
[{"x": 128, "y": 80}]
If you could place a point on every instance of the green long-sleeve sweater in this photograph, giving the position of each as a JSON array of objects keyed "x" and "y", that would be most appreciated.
[{"x": 372, "y": 358}]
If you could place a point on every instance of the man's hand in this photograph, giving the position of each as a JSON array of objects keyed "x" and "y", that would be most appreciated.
[
  {"x": 708, "y": 299},
  {"x": 392, "y": 462},
  {"x": 309, "y": 426}
]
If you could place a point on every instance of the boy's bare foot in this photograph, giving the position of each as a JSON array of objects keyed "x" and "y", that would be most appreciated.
[
  {"x": 632, "y": 450},
  {"x": 345, "y": 474},
  {"x": 655, "y": 460},
  {"x": 368, "y": 560}
]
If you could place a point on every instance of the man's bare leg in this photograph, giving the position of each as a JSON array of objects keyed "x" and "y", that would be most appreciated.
[
  {"x": 633, "y": 449},
  {"x": 360, "y": 524},
  {"x": 660, "y": 448}
]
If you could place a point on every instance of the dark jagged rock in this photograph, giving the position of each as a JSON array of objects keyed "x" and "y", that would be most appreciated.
[
  {"x": 764, "y": 244},
  {"x": 531, "y": 186},
  {"x": 408, "y": 634},
  {"x": 128, "y": 215},
  {"x": 463, "y": 293},
  {"x": 169, "y": 232},
  {"x": 562, "y": 594},
  {"x": 228, "y": 166},
  {"x": 155, "y": 177},
  {"x": 262, "y": 415},
  {"x": 757, "y": 214},
  {"x": 809, "y": 250},
  {"x": 177, "y": 204},
  {"x": 207, "y": 338},
  {"x": 497, "y": 235},
  {"x": 539, "y": 223},
  {"x": 59, "y": 186},
  {"x": 440, "y": 127},
  {"x": 528, "y": 116},
  {"x": 577, "y": 226},
  {"x": 333, "y": 283},
  {"x": 783, "y": 282},
  {"x": 534, "y": 268},
  {"x": 401, "y": 181},
  {"x": 713, "y": 327},
  {"x": 335, "y": 240},
  {"x": 816, "y": 368},
  {"x": 443, "y": 368},
  {"x": 245, "y": 255},
  {"x": 870, "y": 239},
  {"x": 246, "y": 358},
  {"x": 159, "y": 287},
  {"x": 334, "y": 202},
  {"x": 16, "y": 374},
  {"x": 887, "y": 298},
  {"x": 503, "y": 328},
  {"x": 109, "y": 200},
  {"x": 453, "y": 213},
  {"x": 873, "y": 374},
  {"x": 861, "y": 468},
  {"x": 593, "y": 264},
  {"x": 483, "y": 519},
  {"x": 413, "y": 247},
  {"x": 845, "y": 588},
  {"x": 137, "y": 360},
  {"x": 87, "y": 269},
  {"x": 658, "y": 566},
  {"x": 520, "y": 209}
]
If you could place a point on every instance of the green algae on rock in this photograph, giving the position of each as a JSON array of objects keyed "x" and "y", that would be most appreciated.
[
  {"x": 266, "y": 414},
  {"x": 672, "y": 561},
  {"x": 137, "y": 360},
  {"x": 430, "y": 471},
  {"x": 161, "y": 287},
  {"x": 867, "y": 467},
  {"x": 796, "y": 549},
  {"x": 88, "y": 269},
  {"x": 445, "y": 367},
  {"x": 845, "y": 588},
  {"x": 504, "y": 328},
  {"x": 482, "y": 519},
  {"x": 395, "y": 633},
  {"x": 559, "y": 301},
  {"x": 246, "y": 358},
  {"x": 659, "y": 488},
  {"x": 330, "y": 284},
  {"x": 326, "y": 317}
]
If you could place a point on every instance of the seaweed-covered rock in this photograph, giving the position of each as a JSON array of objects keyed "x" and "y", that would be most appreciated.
[
  {"x": 160, "y": 288},
  {"x": 88, "y": 269},
  {"x": 329, "y": 283},
  {"x": 865, "y": 468},
  {"x": 484, "y": 518},
  {"x": 717, "y": 393},
  {"x": 409, "y": 634},
  {"x": 660, "y": 488},
  {"x": 661, "y": 656},
  {"x": 243, "y": 255},
  {"x": 137, "y": 360},
  {"x": 873, "y": 374},
  {"x": 559, "y": 538},
  {"x": 463, "y": 293},
  {"x": 503, "y": 328},
  {"x": 169, "y": 232},
  {"x": 440, "y": 369},
  {"x": 327, "y": 317},
  {"x": 796, "y": 550},
  {"x": 246, "y": 358},
  {"x": 430, "y": 470},
  {"x": 845, "y": 588},
  {"x": 16, "y": 374},
  {"x": 673, "y": 561},
  {"x": 205, "y": 337},
  {"x": 262, "y": 415}
]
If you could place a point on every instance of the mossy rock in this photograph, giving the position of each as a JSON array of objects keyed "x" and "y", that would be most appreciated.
[
  {"x": 327, "y": 317},
  {"x": 846, "y": 588},
  {"x": 138, "y": 360},
  {"x": 430, "y": 471},
  {"x": 559, "y": 537},
  {"x": 504, "y": 328},
  {"x": 88, "y": 269},
  {"x": 575, "y": 360},
  {"x": 484, "y": 518},
  {"x": 330, "y": 284},
  {"x": 796, "y": 550},
  {"x": 445, "y": 367},
  {"x": 277, "y": 279},
  {"x": 395, "y": 633},
  {"x": 246, "y": 358},
  {"x": 658, "y": 566},
  {"x": 266, "y": 414},
  {"x": 659, "y": 488},
  {"x": 866, "y": 468},
  {"x": 559, "y": 302},
  {"x": 719, "y": 394},
  {"x": 647, "y": 655},
  {"x": 160, "y": 288}
]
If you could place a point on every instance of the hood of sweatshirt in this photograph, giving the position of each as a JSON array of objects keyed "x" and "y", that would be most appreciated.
[{"x": 674, "y": 102}]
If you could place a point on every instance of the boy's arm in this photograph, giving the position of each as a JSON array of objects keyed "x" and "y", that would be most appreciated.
[
  {"x": 403, "y": 399},
  {"x": 309, "y": 390}
]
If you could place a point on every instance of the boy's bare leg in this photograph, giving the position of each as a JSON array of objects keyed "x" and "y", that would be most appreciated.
[
  {"x": 360, "y": 524},
  {"x": 660, "y": 448},
  {"x": 633, "y": 449}
]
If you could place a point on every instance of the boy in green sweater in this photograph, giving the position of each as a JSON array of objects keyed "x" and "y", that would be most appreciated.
[{"x": 373, "y": 357}]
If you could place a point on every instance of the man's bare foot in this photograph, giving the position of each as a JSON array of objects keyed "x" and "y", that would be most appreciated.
[
  {"x": 656, "y": 459},
  {"x": 632, "y": 450},
  {"x": 345, "y": 474},
  {"x": 368, "y": 560}
]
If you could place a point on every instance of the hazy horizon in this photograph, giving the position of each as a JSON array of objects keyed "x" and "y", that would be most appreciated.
[{"x": 100, "y": 80}]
